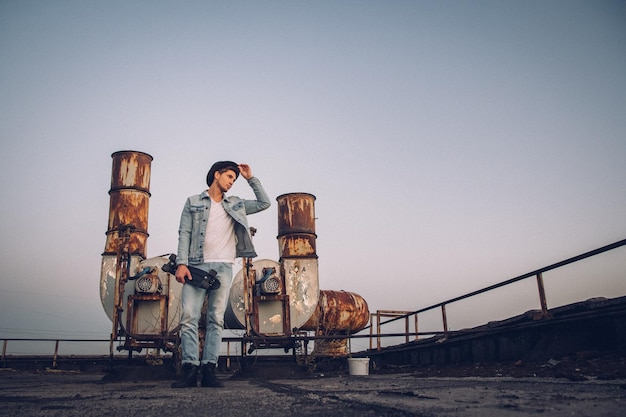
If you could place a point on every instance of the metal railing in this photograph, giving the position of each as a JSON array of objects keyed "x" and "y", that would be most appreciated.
[
  {"x": 375, "y": 318},
  {"x": 55, "y": 355},
  {"x": 538, "y": 274}
]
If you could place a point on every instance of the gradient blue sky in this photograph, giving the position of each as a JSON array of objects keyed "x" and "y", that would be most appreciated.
[{"x": 451, "y": 145}]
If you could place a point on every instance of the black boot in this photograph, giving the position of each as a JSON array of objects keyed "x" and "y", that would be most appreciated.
[
  {"x": 208, "y": 376},
  {"x": 189, "y": 377}
]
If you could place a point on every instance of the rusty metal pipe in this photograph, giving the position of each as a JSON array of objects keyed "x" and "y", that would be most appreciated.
[
  {"x": 340, "y": 313},
  {"x": 298, "y": 256},
  {"x": 129, "y": 201},
  {"x": 336, "y": 312},
  {"x": 296, "y": 225},
  {"x": 127, "y": 229}
]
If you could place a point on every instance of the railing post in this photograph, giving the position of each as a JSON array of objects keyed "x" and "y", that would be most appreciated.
[
  {"x": 406, "y": 329},
  {"x": 377, "y": 330},
  {"x": 349, "y": 345},
  {"x": 228, "y": 355},
  {"x": 4, "y": 350},
  {"x": 56, "y": 354},
  {"x": 445, "y": 319},
  {"x": 416, "y": 330},
  {"x": 542, "y": 296},
  {"x": 371, "y": 329}
]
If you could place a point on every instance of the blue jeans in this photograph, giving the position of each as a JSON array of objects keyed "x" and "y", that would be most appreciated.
[{"x": 191, "y": 303}]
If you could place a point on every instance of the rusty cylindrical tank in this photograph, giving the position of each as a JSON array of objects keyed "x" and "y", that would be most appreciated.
[
  {"x": 341, "y": 313},
  {"x": 128, "y": 209},
  {"x": 129, "y": 200},
  {"x": 296, "y": 225},
  {"x": 298, "y": 265},
  {"x": 298, "y": 256}
]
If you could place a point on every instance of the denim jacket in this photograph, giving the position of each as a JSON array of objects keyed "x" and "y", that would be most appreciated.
[{"x": 195, "y": 215}]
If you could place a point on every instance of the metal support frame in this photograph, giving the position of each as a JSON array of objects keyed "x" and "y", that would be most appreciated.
[{"x": 391, "y": 313}]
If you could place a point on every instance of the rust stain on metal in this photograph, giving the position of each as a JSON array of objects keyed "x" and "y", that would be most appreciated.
[
  {"x": 129, "y": 207},
  {"x": 331, "y": 347},
  {"x": 297, "y": 245},
  {"x": 296, "y": 213},
  {"x": 131, "y": 169}
]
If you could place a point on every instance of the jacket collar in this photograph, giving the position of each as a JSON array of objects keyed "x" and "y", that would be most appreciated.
[{"x": 205, "y": 194}]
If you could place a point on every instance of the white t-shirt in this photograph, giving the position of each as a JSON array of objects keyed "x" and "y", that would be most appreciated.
[{"x": 219, "y": 240}]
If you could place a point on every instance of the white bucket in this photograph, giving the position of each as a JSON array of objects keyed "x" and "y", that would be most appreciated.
[{"x": 359, "y": 366}]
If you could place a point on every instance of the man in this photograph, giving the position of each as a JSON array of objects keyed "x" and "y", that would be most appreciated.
[{"x": 213, "y": 232}]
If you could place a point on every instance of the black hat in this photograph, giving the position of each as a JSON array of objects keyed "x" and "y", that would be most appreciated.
[{"x": 221, "y": 166}]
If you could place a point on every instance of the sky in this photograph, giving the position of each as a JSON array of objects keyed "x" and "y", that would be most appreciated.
[{"x": 450, "y": 145}]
